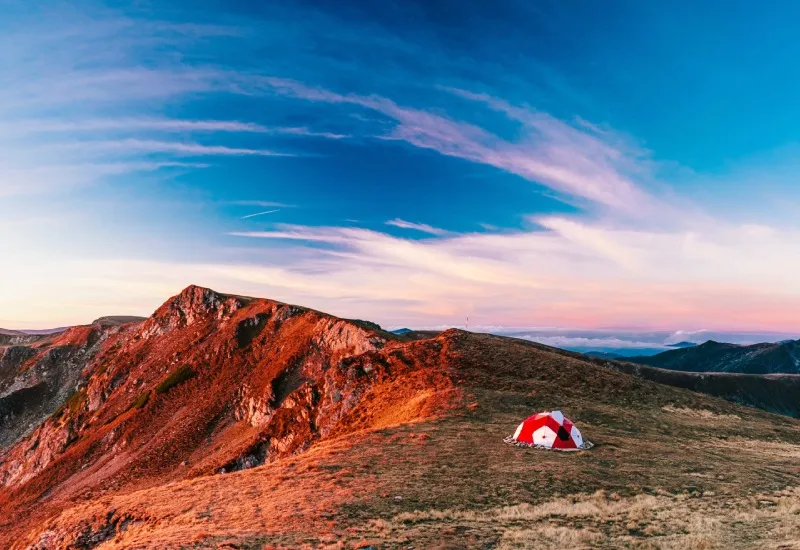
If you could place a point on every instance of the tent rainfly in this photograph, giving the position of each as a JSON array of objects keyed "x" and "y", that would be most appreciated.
[{"x": 549, "y": 430}]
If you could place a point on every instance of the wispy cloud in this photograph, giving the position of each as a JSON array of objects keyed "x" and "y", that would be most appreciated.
[
  {"x": 265, "y": 204},
  {"x": 88, "y": 90},
  {"x": 533, "y": 278},
  {"x": 581, "y": 162},
  {"x": 661, "y": 280},
  {"x": 260, "y": 214},
  {"x": 63, "y": 177},
  {"x": 380, "y": 249},
  {"x": 129, "y": 124},
  {"x": 33, "y": 126},
  {"x": 176, "y": 147},
  {"x": 309, "y": 133},
  {"x": 422, "y": 227}
]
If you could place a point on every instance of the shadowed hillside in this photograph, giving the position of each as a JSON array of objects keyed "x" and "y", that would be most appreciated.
[
  {"x": 779, "y": 358},
  {"x": 225, "y": 420},
  {"x": 778, "y": 393},
  {"x": 38, "y": 374}
]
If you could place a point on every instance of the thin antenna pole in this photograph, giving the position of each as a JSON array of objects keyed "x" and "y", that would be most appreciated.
[{"x": 466, "y": 325}]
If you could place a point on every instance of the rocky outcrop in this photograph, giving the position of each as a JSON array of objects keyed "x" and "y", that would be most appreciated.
[
  {"x": 210, "y": 383},
  {"x": 36, "y": 380},
  {"x": 189, "y": 307}
]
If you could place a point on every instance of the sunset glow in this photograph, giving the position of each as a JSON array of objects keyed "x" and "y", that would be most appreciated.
[{"x": 316, "y": 156}]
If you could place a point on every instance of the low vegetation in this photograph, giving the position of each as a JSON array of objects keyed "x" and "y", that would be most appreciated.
[
  {"x": 73, "y": 403},
  {"x": 699, "y": 413},
  {"x": 602, "y": 519},
  {"x": 175, "y": 378},
  {"x": 141, "y": 401}
]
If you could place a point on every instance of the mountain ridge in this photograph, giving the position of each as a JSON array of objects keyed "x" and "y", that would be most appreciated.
[
  {"x": 711, "y": 356},
  {"x": 264, "y": 379}
]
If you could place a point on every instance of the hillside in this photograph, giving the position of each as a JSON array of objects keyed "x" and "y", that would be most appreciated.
[
  {"x": 778, "y": 393},
  {"x": 38, "y": 374},
  {"x": 226, "y": 421},
  {"x": 778, "y": 358}
]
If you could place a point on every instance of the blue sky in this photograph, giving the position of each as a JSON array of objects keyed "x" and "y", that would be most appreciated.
[{"x": 539, "y": 164}]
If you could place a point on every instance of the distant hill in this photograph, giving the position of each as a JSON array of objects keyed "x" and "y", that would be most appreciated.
[
  {"x": 682, "y": 345},
  {"x": 116, "y": 320},
  {"x": 604, "y": 355},
  {"x": 410, "y": 334},
  {"x": 777, "y": 358},
  {"x": 7, "y": 332}
]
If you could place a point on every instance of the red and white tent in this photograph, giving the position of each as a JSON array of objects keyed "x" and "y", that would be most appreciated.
[{"x": 549, "y": 430}]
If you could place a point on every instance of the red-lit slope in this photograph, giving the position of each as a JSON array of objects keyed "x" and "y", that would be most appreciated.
[{"x": 214, "y": 383}]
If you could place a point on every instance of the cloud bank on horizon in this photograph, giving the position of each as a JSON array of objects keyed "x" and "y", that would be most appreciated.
[{"x": 413, "y": 164}]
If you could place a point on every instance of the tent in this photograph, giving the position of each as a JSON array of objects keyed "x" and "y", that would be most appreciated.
[{"x": 549, "y": 430}]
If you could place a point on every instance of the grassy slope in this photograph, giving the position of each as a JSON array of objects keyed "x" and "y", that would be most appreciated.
[{"x": 674, "y": 469}]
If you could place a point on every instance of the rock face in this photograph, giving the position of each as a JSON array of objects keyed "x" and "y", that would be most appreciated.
[
  {"x": 209, "y": 384},
  {"x": 14, "y": 338},
  {"x": 36, "y": 379}
]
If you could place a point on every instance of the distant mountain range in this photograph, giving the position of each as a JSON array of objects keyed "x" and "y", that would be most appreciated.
[
  {"x": 625, "y": 354},
  {"x": 776, "y": 358},
  {"x": 7, "y": 332},
  {"x": 10, "y": 336}
]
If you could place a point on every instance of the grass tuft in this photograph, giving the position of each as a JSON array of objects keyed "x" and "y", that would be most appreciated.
[
  {"x": 73, "y": 403},
  {"x": 141, "y": 401},
  {"x": 175, "y": 378}
]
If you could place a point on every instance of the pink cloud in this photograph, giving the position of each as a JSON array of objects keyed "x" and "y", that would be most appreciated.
[{"x": 581, "y": 162}]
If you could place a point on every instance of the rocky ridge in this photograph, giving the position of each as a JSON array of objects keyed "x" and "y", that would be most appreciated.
[{"x": 213, "y": 383}]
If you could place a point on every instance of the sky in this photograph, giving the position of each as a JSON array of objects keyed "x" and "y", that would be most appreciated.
[{"x": 536, "y": 165}]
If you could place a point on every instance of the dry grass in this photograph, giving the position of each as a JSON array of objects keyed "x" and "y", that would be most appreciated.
[
  {"x": 430, "y": 484},
  {"x": 699, "y": 413},
  {"x": 662, "y": 521},
  {"x": 548, "y": 537},
  {"x": 775, "y": 449}
]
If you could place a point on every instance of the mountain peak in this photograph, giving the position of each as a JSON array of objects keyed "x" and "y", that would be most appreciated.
[
  {"x": 712, "y": 343},
  {"x": 192, "y": 304},
  {"x": 195, "y": 292}
]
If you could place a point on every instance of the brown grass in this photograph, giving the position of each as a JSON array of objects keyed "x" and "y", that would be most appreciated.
[
  {"x": 662, "y": 521},
  {"x": 699, "y": 413},
  {"x": 776, "y": 449}
]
